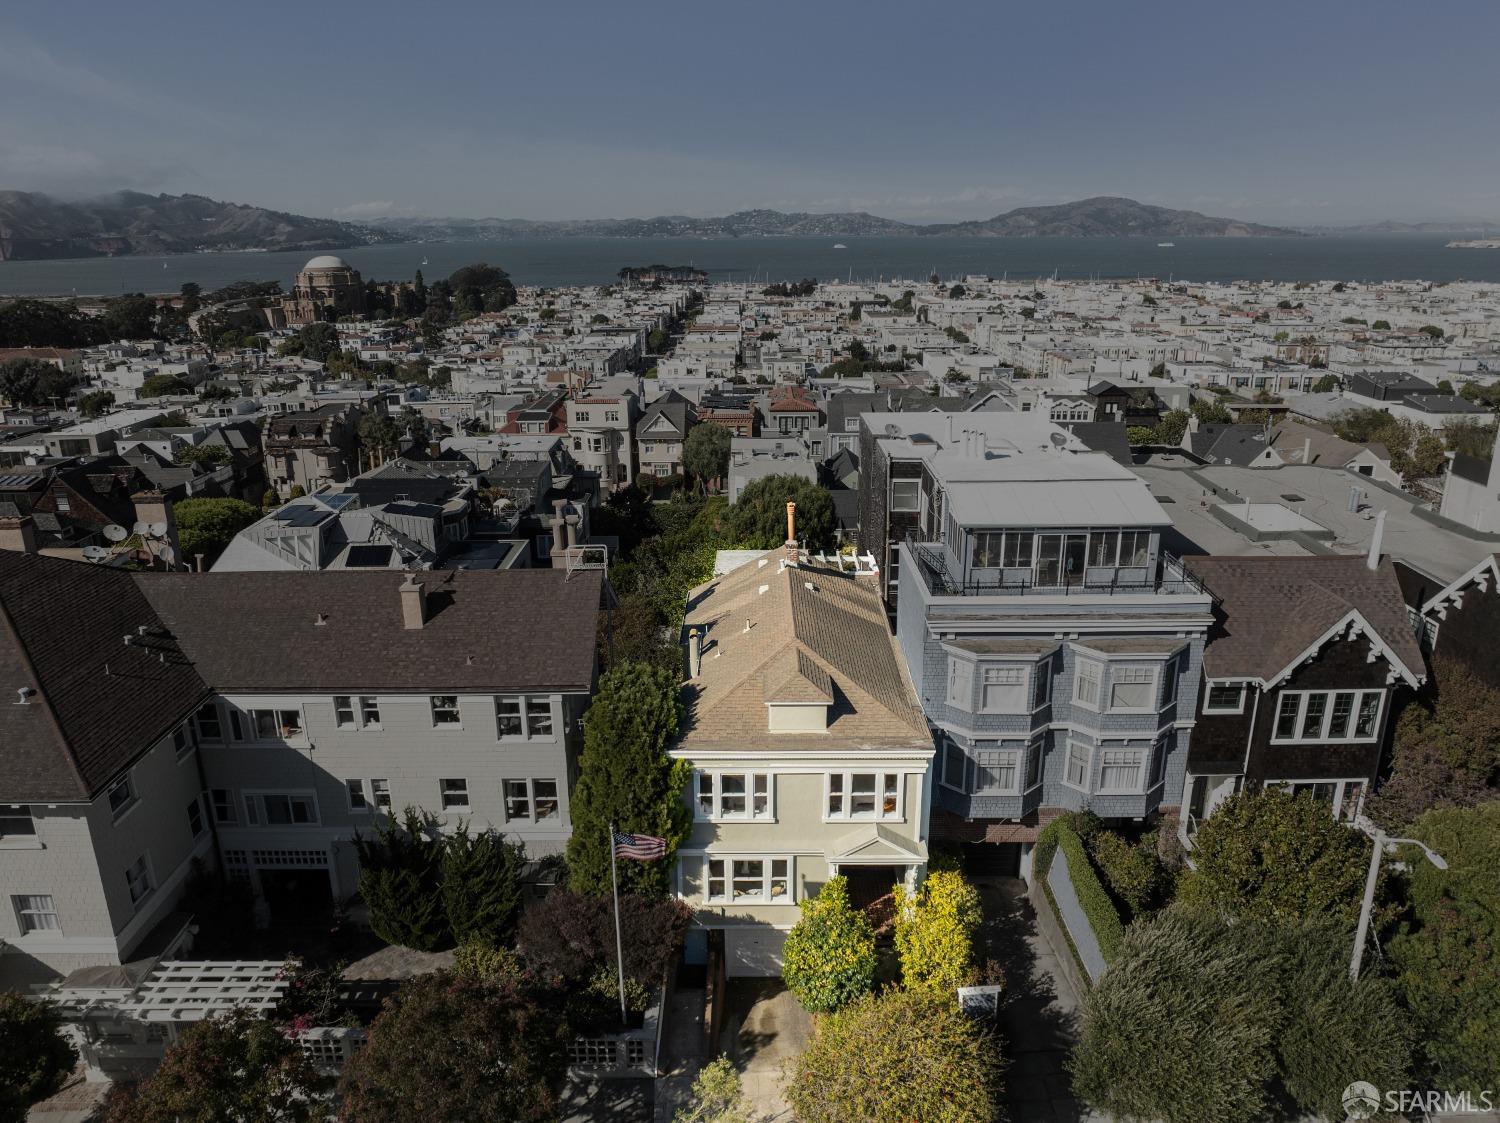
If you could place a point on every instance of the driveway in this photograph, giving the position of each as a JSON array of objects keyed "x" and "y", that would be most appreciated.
[{"x": 764, "y": 1027}]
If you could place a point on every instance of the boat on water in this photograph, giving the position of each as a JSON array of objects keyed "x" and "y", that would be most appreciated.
[
  {"x": 424, "y": 260},
  {"x": 1165, "y": 245},
  {"x": 839, "y": 246}
]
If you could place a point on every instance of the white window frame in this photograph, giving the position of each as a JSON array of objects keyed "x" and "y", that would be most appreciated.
[
  {"x": 1021, "y": 686},
  {"x": 255, "y": 808},
  {"x": 1142, "y": 768},
  {"x": 916, "y": 507},
  {"x": 1208, "y": 693},
  {"x": 15, "y": 812},
  {"x": 845, "y": 814},
  {"x": 183, "y": 742},
  {"x": 354, "y": 788},
  {"x": 961, "y": 678},
  {"x": 1340, "y": 791},
  {"x": 195, "y": 809},
  {"x": 455, "y": 709},
  {"x": 369, "y": 711},
  {"x": 1322, "y": 737},
  {"x": 950, "y": 748},
  {"x": 380, "y": 794},
  {"x": 120, "y": 810},
  {"x": 344, "y": 704},
  {"x": 531, "y": 815},
  {"x": 1016, "y": 764},
  {"x": 218, "y": 719},
  {"x": 146, "y": 878},
  {"x": 1152, "y": 682},
  {"x": 1035, "y": 766},
  {"x": 530, "y": 702},
  {"x": 1080, "y": 680},
  {"x": 28, "y": 905},
  {"x": 453, "y": 793},
  {"x": 1088, "y": 766},
  {"x": 726, "y": 877},
  {"x": 519, "y": 701},
  {"x": 713, "y": 781},
  {"x": 1156, "y": 773},
  {"x": 284, "y": 732},
  {"x": 1040, "y": 692},
  {"x": 222, "y": 812}
]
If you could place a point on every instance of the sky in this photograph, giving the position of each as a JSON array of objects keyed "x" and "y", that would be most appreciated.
[{"x": 1329, "y": 111}]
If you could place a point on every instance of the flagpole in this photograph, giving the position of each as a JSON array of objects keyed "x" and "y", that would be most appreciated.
[{"x": 614, "y": 878}]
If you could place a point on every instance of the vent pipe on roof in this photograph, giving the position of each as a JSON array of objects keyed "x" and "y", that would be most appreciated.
[
  {"x": 695, "y": 651},
  {"x": 1373, "y": 561}
]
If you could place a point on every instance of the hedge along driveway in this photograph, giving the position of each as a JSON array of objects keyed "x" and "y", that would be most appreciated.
[{"x": 1083, "y": 904}]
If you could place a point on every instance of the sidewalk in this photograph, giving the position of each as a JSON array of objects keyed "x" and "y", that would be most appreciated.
[{"x": 683, "y": 1049}]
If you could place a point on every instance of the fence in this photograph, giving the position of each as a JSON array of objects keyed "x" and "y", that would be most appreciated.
[
  {"x": 631, "y": 1053},
  {"x": 330, "y": 1048}
]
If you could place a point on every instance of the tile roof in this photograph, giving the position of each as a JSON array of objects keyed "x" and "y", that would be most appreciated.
[
  {"x": 814, "y": 634},
  {"x": 1272, "y": 609}
]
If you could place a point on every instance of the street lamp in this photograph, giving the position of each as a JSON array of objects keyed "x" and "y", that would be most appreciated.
[{"x": 1381, "y": 840}]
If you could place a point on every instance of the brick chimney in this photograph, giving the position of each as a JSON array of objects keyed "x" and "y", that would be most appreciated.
[
  {"x": 413, "y": 603},
  {"x": 18, "y": 533},
  {"x": 791, "y": 533}
]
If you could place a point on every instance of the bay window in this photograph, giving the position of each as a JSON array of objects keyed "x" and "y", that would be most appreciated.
[
  {"x": 734, "y": 795},
  {"x": 1132, "y": 687},
  {"x": 748, "y": 880},
  {"x": 960, "y": 682},
  {"x": 1348, "y": 716},
  {"x": 1077, "y": 772},
  {"x": 1087, "y": 679},
  {"x": 864, "y": 795},
  {"x": 1003, "y": 690},
  {"x": 1121, "y": 770},
  {"x": 1034, "y": 754},
  {"x": 997, "y": 770},
  {"x": 955, "y": 767}
]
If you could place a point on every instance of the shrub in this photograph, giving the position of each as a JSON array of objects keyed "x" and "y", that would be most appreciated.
[
  {"x": 35, "y": 1058},
  {"x": 829, "y": 958},
  {"x": 716, "y": 1096},
  {"x": 1134, "y": 873},
  {"x": 236, "y": 1066},
  {"x": 207, "y": 526},
  {"x": 1274, "y": 854},
  {"x": 1180, "y": 1028},
  {"x": 894, "y": 1058},
  {"x": 935, "y": 929},
  {"x": 757, "y": 520},
  {"x": 1093, "y": 898},
  {"x": 572, "y": 936},
  {"x": 451, "y": 1046},
  {"x": 481, "y": 886},
  {"x": 400, "y": 880}
]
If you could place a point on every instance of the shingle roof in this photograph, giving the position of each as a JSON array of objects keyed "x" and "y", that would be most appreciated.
[
  {"x": 1272, "y": 609},
  {"x": 804, "y": 644}
]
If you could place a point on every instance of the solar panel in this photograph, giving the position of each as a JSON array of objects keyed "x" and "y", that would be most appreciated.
[{"x": 368, "y": 557}]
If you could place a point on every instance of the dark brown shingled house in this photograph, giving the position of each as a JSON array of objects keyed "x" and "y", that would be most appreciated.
[{"x": 1304, "y": 661}]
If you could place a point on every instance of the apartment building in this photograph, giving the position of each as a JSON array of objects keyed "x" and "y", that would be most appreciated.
[
  {"x": 1055, "y": 645},
  {"x": 599, "y": 432},
  {"x": 258, "y": 721},
  {"x": 311, "y": 448}
]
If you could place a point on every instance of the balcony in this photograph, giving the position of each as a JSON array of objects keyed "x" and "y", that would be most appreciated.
[{"x": 1171, "y": 578}]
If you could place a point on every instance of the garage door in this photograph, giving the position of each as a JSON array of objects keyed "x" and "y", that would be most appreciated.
[{"x": 753, "y": 954}]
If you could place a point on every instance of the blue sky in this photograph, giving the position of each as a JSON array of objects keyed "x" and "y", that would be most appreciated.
[{"x": 1317, "y": 111}]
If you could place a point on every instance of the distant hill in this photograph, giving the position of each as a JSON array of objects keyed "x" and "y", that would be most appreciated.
[
  {"x": 742, "y": 224},
  {"x": 34, "y": 226},
  {"x": 1105, "y": 216},
  {"x": 1391, "y": 226}
]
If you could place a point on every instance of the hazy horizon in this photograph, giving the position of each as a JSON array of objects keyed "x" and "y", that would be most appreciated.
[{"x": 1298, "y": 115}]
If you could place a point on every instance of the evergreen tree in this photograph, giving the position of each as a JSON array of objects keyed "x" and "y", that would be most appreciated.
[
  {"x": 626, "y": 779},
  {"x": 35, "y": 1058},
  {"x": 757, "y": 520},
  {"x": 400, "y": 881},
  {"x": 481, "y": 886}
]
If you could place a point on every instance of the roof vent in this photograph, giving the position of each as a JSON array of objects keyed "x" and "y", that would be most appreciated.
[
  {"x": 25, "y": 695},
  {"x": 321, "y": 620}
]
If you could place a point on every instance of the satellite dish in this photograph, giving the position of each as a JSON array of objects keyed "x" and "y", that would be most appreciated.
[
  {"x": 141, "y": 529},
  {"x": 116, "y": 533},
  {"x": 95, "y": 554},
  {"x": 1059, "y": 439},
  {"x": 168, "y": 555},
  {"x": 158, "y": 530},
  {"x": 892, "y": 430}
]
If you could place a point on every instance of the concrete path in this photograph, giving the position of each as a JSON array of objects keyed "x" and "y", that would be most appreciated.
[
  {"x": 764, "y": 1027},
  {"x": 1040, "y": 1016},
  {"x": 684, "y": 1050}
]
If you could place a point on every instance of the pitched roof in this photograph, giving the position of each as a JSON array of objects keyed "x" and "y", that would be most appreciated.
[
  {"x": 1273, "y": 610},
  {"x": 98, "y": 702},
  {"x": 815, "y": 635}
]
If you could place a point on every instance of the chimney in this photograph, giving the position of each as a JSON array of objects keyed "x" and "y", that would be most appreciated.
[
  {"x": 791, "y": 533},
  {"x": 413, "y": 603},
  {"x": 18, "y": 534},
  {"x": 695, "y": 650},
  {"x": 558, "y": 530},
  {"x": 1373, "y": 561},
  {"x": 572, "y": 520}
]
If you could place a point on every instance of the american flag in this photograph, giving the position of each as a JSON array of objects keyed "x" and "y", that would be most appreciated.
[{"x": 641, "y": 847}]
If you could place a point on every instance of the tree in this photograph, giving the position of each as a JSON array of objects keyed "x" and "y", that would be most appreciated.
[
  {"x": 633, "y": 632},
  {"x": 1325, "y": 385},
  {"x": 130, "y": 317},
  {"x": 717, "y": 1097},
  {"x": 379, "y": 437},
  {"x": 1273, "y": 854},
  {"x": 458, "y": 1046},
  {"x": 19, "y": 379},
  {"x": 1447, "y": 953},
  {"x": 1446, "y": 750},
  {"x": 705, "y": 453},
  {"x": 207, "y": 526},
  {"x": 1211, "y": 411},
  {"x": 160, "y": 385},
  {"x": 192, "y": 296},
  {"x": 656, "y": 341},
  {"x": 1470, "y": 437},
  {"x": 957, "y": 292},
  {"x": 203, "y": 456},
  {"x": 757, "y": 520},
  {"x": 400, "y": 880},
  {"x": 96, "y": 403},
  {"x": 896, "y": 1057},
  {"x": 1171, "y": 427},
  {"x": 481, "y": 288},
  {"x": 627, "y": 781},
  {"x": 568, "y": 937},
  {"x": 481, "y": 886},
  {"x": 829, "y": 958},
  {"x": 1381, "y": 325},
  {"x": 233, "y": 1068},
  {"x": 935, "y": 929},
  {"x": 1444, "y": 386},
  {"x": 320, "y": 341},
  {"x": 1431, "y": 330},
  {"x": 35, "y": 1057}
]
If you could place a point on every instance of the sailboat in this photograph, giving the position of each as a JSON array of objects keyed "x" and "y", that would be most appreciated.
[
  {"x": 839, "y": 246},
  {"x": 424, "y": 259}
]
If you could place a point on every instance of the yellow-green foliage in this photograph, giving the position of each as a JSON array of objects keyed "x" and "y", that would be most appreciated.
[
  {"x": 829, "y": 958},
  {"x": 935, "y": 929}
]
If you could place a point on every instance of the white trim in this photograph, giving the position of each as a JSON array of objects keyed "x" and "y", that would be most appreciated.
[
  {"x": 716, "y": 796},
  {"x": 1210, "y": 685},
  {"x": 1154, "y": 688},
  {"x": 764, "y": 897},
  {"x": 1143, "y": 767},
  {"x": 847, "y": 794},
  {"x": 1097, "y": 705},
  {"x": 1088, "y": 768},
  {"x": 1322, "y": 737},
  {"x": 262, "y": 820}
]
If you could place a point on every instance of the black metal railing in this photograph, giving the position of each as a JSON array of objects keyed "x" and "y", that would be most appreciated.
[{"x": 1171, "y": 578}]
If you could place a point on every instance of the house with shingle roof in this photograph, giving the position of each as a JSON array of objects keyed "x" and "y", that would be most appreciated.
[
  {"x": 809, "y": 749},
  {"x": 254, "y": 723},
  {"x": 1305, "y": 661}
]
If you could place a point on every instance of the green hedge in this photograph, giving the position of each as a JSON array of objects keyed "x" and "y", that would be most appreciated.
[{"x": 1095, "y": 900}]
